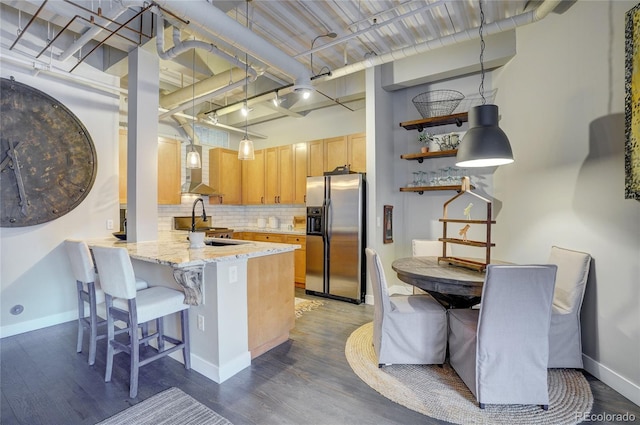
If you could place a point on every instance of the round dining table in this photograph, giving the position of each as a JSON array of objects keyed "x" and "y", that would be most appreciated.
[{"x": 453, "y": 286}]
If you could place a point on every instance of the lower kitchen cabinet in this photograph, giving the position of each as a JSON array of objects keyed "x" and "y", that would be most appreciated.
[
  {"x": 300, "y": 258},
  {"x": 270, "y": 301},
  {"x": 300, "y": 255}
]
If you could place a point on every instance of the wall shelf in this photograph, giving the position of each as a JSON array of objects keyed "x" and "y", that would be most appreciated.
[
  {"x": 421, "y": 156},
  {"x": 422, "y": 189},
  {"x": 423, "y": 123}
]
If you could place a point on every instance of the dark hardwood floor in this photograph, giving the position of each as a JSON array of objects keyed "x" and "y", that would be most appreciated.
[{"x": 306, "y": 380}]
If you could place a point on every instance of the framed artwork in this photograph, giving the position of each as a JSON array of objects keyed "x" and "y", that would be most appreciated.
[
  {"x": 632, "y": 105},
  {"x": 388, "y": 224}
]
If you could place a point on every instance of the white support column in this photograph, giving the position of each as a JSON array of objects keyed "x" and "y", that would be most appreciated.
[{"x": 142, "y": 146}]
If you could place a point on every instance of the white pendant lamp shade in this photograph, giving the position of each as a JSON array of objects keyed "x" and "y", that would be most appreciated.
[
  {"x": 193, "y": 159},
  {"x": 484, "y": 144},
  {"x": 245, "y": 150}
]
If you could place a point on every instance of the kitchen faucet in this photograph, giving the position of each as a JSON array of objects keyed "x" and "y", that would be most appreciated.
[{"x": 193, "y": 214}]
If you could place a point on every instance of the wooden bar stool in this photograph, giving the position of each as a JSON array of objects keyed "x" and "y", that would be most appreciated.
[{"x": 125, "y": 304}]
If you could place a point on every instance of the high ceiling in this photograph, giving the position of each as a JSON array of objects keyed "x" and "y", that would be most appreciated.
[{"x": 275, "y": 37}]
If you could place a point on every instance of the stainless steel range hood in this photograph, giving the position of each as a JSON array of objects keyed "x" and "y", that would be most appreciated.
[{"x": 193, "y": 182}]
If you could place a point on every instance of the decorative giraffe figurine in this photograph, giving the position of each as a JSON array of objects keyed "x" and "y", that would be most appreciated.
[
  {"x": 463, "y": 232},
  {"x": 467, "y": 211}
]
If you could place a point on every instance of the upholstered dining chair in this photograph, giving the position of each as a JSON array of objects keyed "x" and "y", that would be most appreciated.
[
  {"x": 89, "y": 291},
  {"x": 126, "y": 304},
  {"x": 565, "y": 338},
  {"x": 407, "y": 329},
  {"x": 428, "y": 248},
  {"x": 501, "y": 350}
]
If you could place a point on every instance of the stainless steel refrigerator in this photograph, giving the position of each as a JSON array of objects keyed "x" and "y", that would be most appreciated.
[{"x": 336, "y": 237}]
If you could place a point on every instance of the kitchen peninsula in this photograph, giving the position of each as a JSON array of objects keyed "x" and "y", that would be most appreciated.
[{"x": 241, "y": 295}]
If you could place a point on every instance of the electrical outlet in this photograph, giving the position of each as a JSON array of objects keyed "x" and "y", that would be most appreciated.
[
  {"x": 233, "y": 274},
  {"x": 200, "y": 322},
  {"x": 109, "y": 224}
]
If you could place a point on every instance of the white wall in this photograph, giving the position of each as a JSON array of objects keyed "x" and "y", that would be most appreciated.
[
  {"x": 35, "y": 271},
  {"x": 562, "y": 104}
]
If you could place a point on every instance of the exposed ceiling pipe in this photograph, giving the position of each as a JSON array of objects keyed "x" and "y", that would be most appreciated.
[
  {"x": 207, "y": 19},
  {"x": 89, "y": 35},
  {"x": 38, "y": 67},
  {"x": 496, "y": 27}
]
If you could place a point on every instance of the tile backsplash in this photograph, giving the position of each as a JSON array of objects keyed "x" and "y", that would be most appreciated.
[{"x": 232, "y": 216}]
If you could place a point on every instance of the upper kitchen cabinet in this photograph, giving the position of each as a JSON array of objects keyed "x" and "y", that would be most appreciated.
[
  {"x": 253, "y": 180},
  {"x": 225, "y": 176},
  {"x": 315, "y": 154},
  {"x": 168, "y": 162},
  {"x": 279, "y": 175},
  {"x": 327, "y": 154},
  {"x": 336, "y": 153},
  {"x": 357, "y": 152},
  {"x": 300, "y": 173}
]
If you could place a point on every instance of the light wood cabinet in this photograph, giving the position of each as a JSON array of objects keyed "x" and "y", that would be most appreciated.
[
  {"x": 253, "y": 181},
  {"x": 327, "y": 154},
  {"x": 315, "y": 164},
  {"x": 357, "y": 152},
  {"x": 300, "y": 255},
  {"x": 300, "y": 258},
  {"x": 169, "y": 192},
  {"x": 335, "y": 153},
  {"x": 269, "y": 237},
  {"x": 279, "y": 175},
  {"x": 300, "y": 173},
  {"x": 270, "y": 301},
  {"x": 225, "y": 176}
]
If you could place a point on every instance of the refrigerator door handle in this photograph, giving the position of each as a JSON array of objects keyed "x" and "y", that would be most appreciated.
[{"x": 327, "y": 219}]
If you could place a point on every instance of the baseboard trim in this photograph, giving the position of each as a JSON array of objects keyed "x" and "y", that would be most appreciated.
[
  {"x": 616, "y": 381},
  {"x": 35, "y": 324},
  {"x": 219, "y": 374}
]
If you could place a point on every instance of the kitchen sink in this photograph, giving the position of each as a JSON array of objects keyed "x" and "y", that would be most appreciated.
[{"x": 222, "y": 242}]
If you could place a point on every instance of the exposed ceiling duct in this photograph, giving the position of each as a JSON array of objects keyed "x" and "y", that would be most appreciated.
[{"x": 210, "y": 21}]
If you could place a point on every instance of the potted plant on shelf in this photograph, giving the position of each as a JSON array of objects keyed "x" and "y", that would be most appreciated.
[{"x": 430, "y": 142}]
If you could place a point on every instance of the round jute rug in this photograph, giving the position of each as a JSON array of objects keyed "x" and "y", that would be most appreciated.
[{"x": 439, "y": 393}]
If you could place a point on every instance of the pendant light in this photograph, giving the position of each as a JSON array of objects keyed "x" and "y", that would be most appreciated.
[
  {"x": 245, "y": 150},
  {"x": 484, "y": 144},
  {"x": 193, "y": 157}
]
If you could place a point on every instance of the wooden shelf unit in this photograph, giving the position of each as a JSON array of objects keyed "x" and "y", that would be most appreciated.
[
  {"x": 487, "y": 244},
  {"x": 423, "y": 123},
  {"x": 422, "y": 189}
]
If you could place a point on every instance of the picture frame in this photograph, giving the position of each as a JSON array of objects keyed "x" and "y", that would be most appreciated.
[
  {"x": 388, "y": 224},
  {"x": 632, "y": 104}
]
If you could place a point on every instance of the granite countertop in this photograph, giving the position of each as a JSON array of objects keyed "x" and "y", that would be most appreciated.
[{"x": 172, "y": 249}]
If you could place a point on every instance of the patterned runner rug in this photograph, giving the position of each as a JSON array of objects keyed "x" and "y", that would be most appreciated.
[
  {"x": 439, "y": 393},
  {"x": 168, "y": 407}
]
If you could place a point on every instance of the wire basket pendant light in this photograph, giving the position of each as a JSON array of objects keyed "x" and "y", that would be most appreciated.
[
  {"x": 245, "y": 150},
  {"x": 193, "y": 157},
  {"x": 484, "y": 144}
]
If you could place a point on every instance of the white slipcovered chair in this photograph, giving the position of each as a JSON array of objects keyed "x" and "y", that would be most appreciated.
[
  {"x": 501, "y": 350},
  {"x": 407, "y": 329},
  {"x": 125, "y": 304},
  {"x": 565, "y": 338},
  {"x": 428, "y": 248},
  {"x": 89, "y": 291}
]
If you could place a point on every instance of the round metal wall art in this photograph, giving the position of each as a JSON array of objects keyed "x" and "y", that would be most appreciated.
[{"x": 48, "y": 160}]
